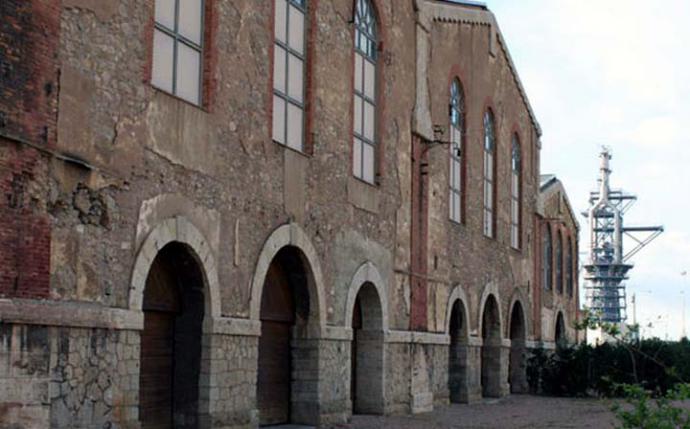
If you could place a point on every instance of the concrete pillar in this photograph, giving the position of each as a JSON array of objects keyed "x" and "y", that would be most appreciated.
[
  {"x": 518, "y": 367},
  {"x": 474, "y": 370},
  {"x": 495, "y": 359}
]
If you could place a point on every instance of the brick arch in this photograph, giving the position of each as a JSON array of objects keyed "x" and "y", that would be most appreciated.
[
  {"x": 367, "y": 273},
  {"x": 518, "y": 296},
  {"x": 182, "y": 230},
  {"x": 458, "y": 294},
  {"x": 289, "y": 235},
  {"x": 490, "y": 289}
]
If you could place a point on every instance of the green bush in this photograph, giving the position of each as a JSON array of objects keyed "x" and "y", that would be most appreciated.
[{"x": 583, "y": 370}]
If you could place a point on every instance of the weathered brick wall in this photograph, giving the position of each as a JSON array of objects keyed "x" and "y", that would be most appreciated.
[
  {"x": 221, "y": 159},
  {"x": 558, "y": 214},
  {"x": 29, "y": 31},
  {"x": 470, "y": 50}
]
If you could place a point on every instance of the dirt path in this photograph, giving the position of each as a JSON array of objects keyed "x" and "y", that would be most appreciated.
[{"x": 519, "y": 411}]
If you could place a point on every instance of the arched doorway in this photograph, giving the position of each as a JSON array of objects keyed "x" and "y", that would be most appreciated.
[
  {"x": 284, "y": 311},
  {"x": 560, "y": 336},
  {"x": 457, "y": 354},
  {"x": 491, "y": 349},
  {"x": 518, "y": 350},
  {"x": 170, "y": 356},
  {"x": 366, "y": 375}
]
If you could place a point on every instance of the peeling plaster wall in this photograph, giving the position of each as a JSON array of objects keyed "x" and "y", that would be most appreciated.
[{"x": 465, "y": 44}]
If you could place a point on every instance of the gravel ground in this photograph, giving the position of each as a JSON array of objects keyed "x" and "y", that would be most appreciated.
[{"x": 518, "y": 411}]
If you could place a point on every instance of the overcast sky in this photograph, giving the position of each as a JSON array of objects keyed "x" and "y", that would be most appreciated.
[{"x": 616, "y": 72}]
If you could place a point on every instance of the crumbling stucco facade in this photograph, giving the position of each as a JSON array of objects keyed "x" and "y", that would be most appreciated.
[{"x": 134, "y": 190}]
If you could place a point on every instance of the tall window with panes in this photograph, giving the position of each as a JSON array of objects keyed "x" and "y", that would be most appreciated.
[
  {"x": 364, "y": 99},
  {"x": 457, "y": 123},
  {"x": 515, "y": 193},
  {"x": 289, "y": 57},
  {"x": 489, "y": 173},
  {"x": 177, "y": 48},
  {"x": 559, "y": 264},
  {"x": 547, "y": 259},
  {"x": 569, "y": 268}
]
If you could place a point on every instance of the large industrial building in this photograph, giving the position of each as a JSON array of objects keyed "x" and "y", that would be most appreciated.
[{"x": 226, "y": 214}]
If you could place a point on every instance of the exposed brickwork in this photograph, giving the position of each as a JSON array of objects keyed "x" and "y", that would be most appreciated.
[
  {"x": 557, "y": 215},
  {"x": 153, "y": 169},
  {"x": 29, "y": 34}
]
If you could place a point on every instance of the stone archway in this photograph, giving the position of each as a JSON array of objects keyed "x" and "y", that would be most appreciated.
[
  {"x": 287, "y": 297},
  {"x": 285, "y": 315},
  {"x": 560, "y": 336},
  {"x": 367, "y": 315},
  {"x": 518, "y": 350},
  {"x": 176, "y": 229},
  {"x": 458, "y": 330},
  {"x": 290, "y": 235},
  {"x": 366, "y": 357},
  {"x": 491, "y": 353},
  {"x": 170, "y": 350},
  {"x": 175, "y": 284}
]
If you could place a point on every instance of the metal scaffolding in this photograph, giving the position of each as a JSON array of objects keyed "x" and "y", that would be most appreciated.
[{"x": 608, "y": 265}]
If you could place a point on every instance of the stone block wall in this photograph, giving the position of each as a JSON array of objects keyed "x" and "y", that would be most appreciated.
[{"x": 68, "y": 377}]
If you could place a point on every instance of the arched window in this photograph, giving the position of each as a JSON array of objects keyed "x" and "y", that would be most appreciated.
[
  {"x": 569, "y": 268},
  {"x": 489, "y": 173},
  {"x": 366, "y": 45},
  {"x": 559, "y": 264},
  {"x": 457, "y": 127},
  {"x": 178, "y": 37},
  {"x": 547, "y": 263},
  {"x": 289, "y": 57},
  {"x": 515, "y": 193}
]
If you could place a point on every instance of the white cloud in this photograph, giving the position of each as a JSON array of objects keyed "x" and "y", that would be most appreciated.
[{"x": 615, "y": 72}]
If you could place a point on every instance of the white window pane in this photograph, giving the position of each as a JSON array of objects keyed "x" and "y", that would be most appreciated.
[
  {"x": 358, "y": 115},
  {"x": 190, "y": 20},
  {"x": 295, "y": 76},
  {"x": 358, "y": 72},
  {"x": 369, "y": 120},
  {"x": 456, "y": 207},
  {"x": 165, "y": 13},
  {"x": 458, "y": 212},
  {"x": 451, "y": 197},
  {"x": 278, "y": 119},
  {"x": 279, "y": 66},
  {"x": 296, "y": 29},
  {"x": 450, "y": 175},
  {"x": 368, "y": 161},
  {"x": 294, "y": 127},
  {"x": 162, "y": 69},
  {"x": 357, "y": 158},
  {"x": 281, "y": 20},
  {"x": 188, "y": 61},
  {"x": 369, "y": 79},
  {"x": 456, "y": 182}
]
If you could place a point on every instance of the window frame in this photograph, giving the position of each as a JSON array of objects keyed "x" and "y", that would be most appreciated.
[
  {"x": 456, "y": 148},
  {"x": 372, "y": 38},
  {"x": 559, "y": 263},
  {"x": 570, "y": 271},
  {"x": 489, "y": 178},
  {"x": 177, "y": 39},
  {"x": 516, "y": 192},
  {"x": 547, "y": 258},
  {"x": 303, "y": 7}
]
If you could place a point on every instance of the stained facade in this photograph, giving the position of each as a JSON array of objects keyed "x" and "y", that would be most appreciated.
[{"x": 231, "y": 214}]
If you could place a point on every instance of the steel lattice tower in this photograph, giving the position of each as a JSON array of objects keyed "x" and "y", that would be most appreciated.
[{"x": 608, "y": 265}]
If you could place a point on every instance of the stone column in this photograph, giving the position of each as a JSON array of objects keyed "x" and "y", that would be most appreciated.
[
  {"x": 474, "y": 370},
  {"x": 518, "y": 366}
]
